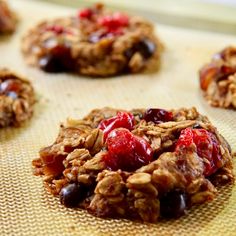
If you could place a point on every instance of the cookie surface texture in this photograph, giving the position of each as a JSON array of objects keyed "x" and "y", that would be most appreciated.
[
  {"x": 95, "y": 42},
  {"x": 139, "y": 164}
]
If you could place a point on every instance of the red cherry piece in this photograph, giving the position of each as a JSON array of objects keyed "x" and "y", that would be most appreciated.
[
  {"x": 85, "y": 13},
  {"x": 114, "y": 22},
  {"x": 157, "y": 115},
  {"x": 10, "y": 85},
  {"x": 185, "y": 139},
  {"x": 207, "y": 147},
  {"x": 57, "y": 29},
  {"x": 121, "y": 18},
  {"x": 127, "y": 151},
  {"x": 121, "y": 120}
]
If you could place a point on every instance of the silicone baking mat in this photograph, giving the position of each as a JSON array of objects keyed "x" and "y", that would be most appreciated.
[{"x": 27, "y": 209}]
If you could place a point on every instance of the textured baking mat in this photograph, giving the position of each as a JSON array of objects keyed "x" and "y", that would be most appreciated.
[{"x": 27, "y": 209}]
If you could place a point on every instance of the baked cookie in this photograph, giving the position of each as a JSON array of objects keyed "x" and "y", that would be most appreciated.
[
  {"x": 141, "y": 164},
  {"x": 16, "y": 99},
  {"x": 7, "y": 18},
  {"x": 218, "y": 79},
  {"x": 95, "y": 42}
]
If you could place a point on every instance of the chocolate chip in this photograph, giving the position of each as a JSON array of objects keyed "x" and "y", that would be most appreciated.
[
  {"x": 145, "y": 47},
  {"x": 58, "y": 59},
  {"x": 173, "y": 204},
  {"x": 51, "y": 64},
  {"x": 72, "y": 194}
]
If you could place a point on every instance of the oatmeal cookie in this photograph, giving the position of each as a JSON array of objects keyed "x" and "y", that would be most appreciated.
[
  {"x": 16, "y": 99},
  {"x": 218, "y": 79},
  {"x": 139, "y": 164},
  {"x": 7, "y": 18},
  {"x": 95, "y": 42}
]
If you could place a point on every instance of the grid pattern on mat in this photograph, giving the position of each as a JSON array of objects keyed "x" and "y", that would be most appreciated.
[{"x": 27, "y": 209}]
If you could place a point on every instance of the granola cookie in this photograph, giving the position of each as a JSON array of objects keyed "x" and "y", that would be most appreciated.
[
  {"x": 16, "y": 99},
  {"x": 218, "y": 79},
  {"x": 95, "y": 42},
  {"x": 7, "y": 18},
  {"x": 141, "y": 164}
]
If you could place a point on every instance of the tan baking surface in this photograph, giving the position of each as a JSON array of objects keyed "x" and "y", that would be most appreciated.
[{"x": 26, "y": 208}]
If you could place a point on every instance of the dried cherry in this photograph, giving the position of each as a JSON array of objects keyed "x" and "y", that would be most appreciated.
[
  {"x": 85, "y": 13},
  {"x": 207, "y": 147},
  {"x": 121, "y": 120},
  {"x": 127, "y": 151},
  {"x": 157, "y": 115},
  {"x": 114, "y": 22},
  {"x": 173, "y": 204}
]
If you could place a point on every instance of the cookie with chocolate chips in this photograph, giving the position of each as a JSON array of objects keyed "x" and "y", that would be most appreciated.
[
  {"x": 141, "y": 164},
  {"x": 95, "y": 42}
]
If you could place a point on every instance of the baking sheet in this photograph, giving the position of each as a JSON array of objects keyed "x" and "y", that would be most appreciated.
[{"x": 27, "y": 209}]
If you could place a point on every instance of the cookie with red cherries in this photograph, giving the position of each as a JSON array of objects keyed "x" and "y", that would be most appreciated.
[
  {"x": 16, "y": 99},
  {"x": 218, "y": 79},
  {"x": 95, "y": 42},
  {"x": 139, "y": 164}
]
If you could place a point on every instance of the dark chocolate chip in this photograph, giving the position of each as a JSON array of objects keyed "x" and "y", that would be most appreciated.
[
  {"x": 173, "y": 204},
  {"x": 145, "y": 47},
  {"x": 72, "y": 194},
  {"x": 51, "y": 64}
]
